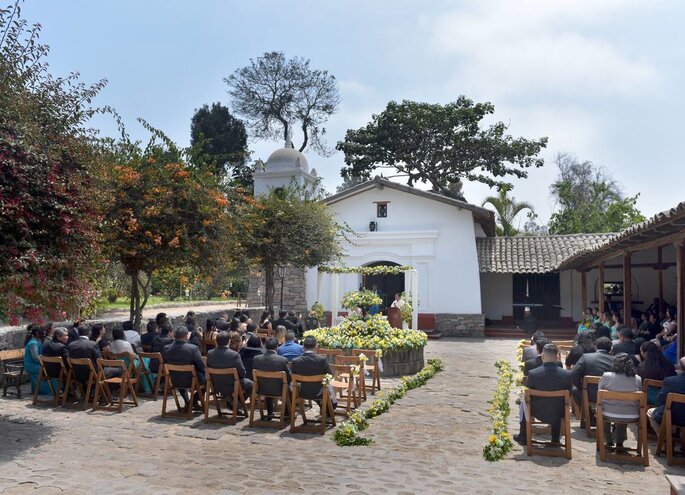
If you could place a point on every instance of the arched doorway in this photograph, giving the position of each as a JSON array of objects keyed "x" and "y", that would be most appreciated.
[{"x": 385, "y": 285}]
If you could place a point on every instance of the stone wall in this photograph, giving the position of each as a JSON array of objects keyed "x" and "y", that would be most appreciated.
[
  {"x": 294, "y": 291},
  {"x": 457, "y": 325},
  {"x": 13, "y": 338}
]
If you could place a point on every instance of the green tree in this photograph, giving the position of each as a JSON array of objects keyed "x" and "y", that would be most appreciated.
[
  {"x": 506, "y": 211},
  {"x": 439, "y": 145},
  {"x": 589, "y": 200},
  {"x": 222, "y": 143},
  {"x": 48, "y": 208},
  {"x": 274, "y": 94},
  {"x": 287, "y": 228},
  {"x": 163, "y": 214}
]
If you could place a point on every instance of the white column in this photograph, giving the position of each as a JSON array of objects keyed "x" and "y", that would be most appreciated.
[
  {"x": 415, "y": 299},
  {"x": 333, "y": 301},
  {"x": 319, "y": 279}
]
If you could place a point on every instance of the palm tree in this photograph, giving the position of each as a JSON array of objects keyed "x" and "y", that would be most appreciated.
[{"x": 506, "y": 210}]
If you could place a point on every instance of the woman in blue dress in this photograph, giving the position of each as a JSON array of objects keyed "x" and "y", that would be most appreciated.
[{"x": 32, "y": 350}]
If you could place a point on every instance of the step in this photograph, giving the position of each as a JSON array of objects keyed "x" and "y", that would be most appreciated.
[{"x": 433, "y": 335}]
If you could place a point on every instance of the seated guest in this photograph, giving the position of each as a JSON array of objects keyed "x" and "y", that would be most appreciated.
[
  {"x": 672, "y": 384},
  {"x": 250, "y": 330},
  {"x": 622, "y": 378},
  {"x": 591, "y": 364},
  {"x": 602, "y": 330},
  {"x": 73, "y": 331},
  {"x": 119, "y": 344},
  {"x": 56, "y": 347},
  {"x": 270, "y": 361},
  {"x": 626, "y": 344},
  {"x": 283, "y": 321},
  {"x": 149, "y": 336},
  {"x": 298, "y": 328},
  {"x": 97, "y": 332},
  {"x": 670, "y": 351},
  {"x": 84, "y": 348},
  {"x": 585, "y": 344},
  {"x": 312, "y": 321},
  {"x": 159, "y": 343},
  {"x": 265, "y": 322},
  {"x": 223, "y": 357},
  {"x": 280, "y": 334},
  {"x": 654, "y": 366},
  {"x": 616, "y": 324},
  {"x": 210, "y": 332},
  {"x": 531, "y": 352},
  {"x": 243, "y": 323},
  {"x": 33, "y": 346},
  {"x": 531, "y": 364},
  {"x": 235, "y": 342},
  {"x": 290, "y": 350},
  {"x": 130, "y": 335},
  {"x": 251, "y": 349},
  {"x": 654, "y": 327},
  {"x": 180, "y": 352},
  {"x": 310, "y": 363},
  {"x": 548, "y": 377}
]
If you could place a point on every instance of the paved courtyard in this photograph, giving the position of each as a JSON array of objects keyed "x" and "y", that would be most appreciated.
[{"x": 429, "y": 442}]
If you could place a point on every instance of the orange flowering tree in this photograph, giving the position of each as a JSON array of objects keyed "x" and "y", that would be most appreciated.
[{"x": 163, "y": 213}]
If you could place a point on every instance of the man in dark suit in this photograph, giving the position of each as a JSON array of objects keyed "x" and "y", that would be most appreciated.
[
  {"x": 180, "y": 352},
  {"x": 82, "y": 348},
  {"x": 591, "y": 364},
  {"x": 223, "y": 357},
  {"x": 56, "y": 347},
  {"x": 270, "y": 361},
  {"x": 282, "y": 320},
  {"x": 674, "y": 385},
  {"x": 163, "y": 339},
  {"x": 547, "y": 377},
  {"x": 531, "y": 352},
  {"x": 310, "y": 363},
  {"x": 149, "y": 336},
  {"x": 626, "y": 344},
  {"x": 298, "y": 328}
]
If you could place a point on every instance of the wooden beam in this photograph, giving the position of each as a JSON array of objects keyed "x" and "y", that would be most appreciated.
[
  {"x": 627, "y": 289},
  {"x": 660, "y": 272},
  {"x": 583, "y": 290},
  {"x": 680, "y": 280},
  {"x": 600, "y": 287}
]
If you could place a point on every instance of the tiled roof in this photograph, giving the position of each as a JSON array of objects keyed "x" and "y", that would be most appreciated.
[
  {"x": 533, "y": 254},
  {"x": 664, "y": 224}
]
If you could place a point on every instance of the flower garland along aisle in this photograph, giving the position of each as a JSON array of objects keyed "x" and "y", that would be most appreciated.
[
  {"x": 348, "y": 432},
  {"x": 500, "y": 442}
]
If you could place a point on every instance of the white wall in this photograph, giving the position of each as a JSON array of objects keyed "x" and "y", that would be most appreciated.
[
  {"x": 497, "y": 294},
  {"x": 435, "y": 238}
]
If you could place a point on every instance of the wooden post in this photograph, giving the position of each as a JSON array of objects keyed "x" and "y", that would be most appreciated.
[
  {"x": 583, "y": 290},
  {"x": 661, "y": 275},
  {"x": 600, "y": 287},
  {"x": 627, "y": 289},
  {"x": 680, "y": 280}
]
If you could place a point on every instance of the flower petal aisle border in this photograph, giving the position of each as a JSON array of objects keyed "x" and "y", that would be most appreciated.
[
  {"x": 348, "y": 432},
  {"x": 499, "y": 442}
]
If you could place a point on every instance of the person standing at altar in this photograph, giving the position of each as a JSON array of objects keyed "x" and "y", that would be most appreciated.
[{"x": 398, "y": 302}]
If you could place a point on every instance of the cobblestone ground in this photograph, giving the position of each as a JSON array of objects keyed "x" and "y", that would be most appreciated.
[{"x": 429, "y": 442}]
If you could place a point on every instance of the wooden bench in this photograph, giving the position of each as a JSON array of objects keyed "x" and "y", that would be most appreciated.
[{"x": 12, "y": 370}]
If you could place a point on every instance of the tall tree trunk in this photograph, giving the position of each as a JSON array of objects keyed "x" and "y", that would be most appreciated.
[
  {"x": 135, "y": 299},
  {"x": 270, "y": 288}
]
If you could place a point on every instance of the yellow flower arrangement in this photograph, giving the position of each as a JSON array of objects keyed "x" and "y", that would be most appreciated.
[{"x": 500, "y": 442}]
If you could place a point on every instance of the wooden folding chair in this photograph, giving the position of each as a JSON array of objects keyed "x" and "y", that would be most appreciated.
[
  {"x": 360, "y": 380},
  {"x": 298, "y": 405},
  {"x": 125, "y": 382},
  {"x": 344, "y": 388},
  {"x": 257, "y": 398},
  {"x": 666, "y": 430},
  {"x": 145, "y": 375},
  {"x": 195, "y": 390},
  {"x": 586, "y": 406},
  {"x": 330, "y": 353},
  {"x": 648, "y": 384},
  {"x": 212, "y": 394},
  {"x": 90, "y": 385},
  {"x": 43, "y": 375},
  {"x": 372, "y": 367},
  {"x": 565, "y": 424},
  {"x": 641, "y": 450},
  {"x": 13, "y": 374}
]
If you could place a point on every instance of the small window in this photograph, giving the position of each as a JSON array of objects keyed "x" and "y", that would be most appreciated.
[{"x": 382, "y": 210}]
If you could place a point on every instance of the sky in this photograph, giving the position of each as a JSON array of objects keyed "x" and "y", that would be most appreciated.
[{"x": 602, "y": 79}]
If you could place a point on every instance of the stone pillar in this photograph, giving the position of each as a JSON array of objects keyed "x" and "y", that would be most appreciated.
[{"x": 294, "y": 291}]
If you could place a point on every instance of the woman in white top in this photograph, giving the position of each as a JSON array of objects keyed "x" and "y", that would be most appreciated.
[
  {"x": 398, "y": 302},
  {"x": 622, "y": 378}
]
